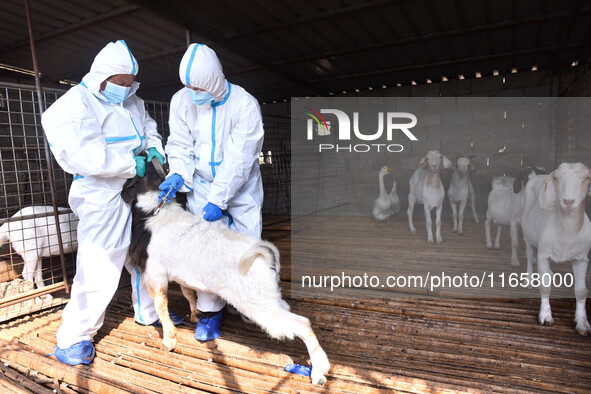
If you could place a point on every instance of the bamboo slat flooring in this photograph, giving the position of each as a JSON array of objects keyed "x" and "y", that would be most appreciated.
[{"x": 397, "y": 343}]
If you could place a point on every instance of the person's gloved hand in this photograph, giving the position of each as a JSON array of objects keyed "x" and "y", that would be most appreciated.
[
  {"x": 140, "y": 165},
  {"x": 212, "y": 212},
  {"x": 175, "y": 181},
  {"x": 153, "y": 153}
]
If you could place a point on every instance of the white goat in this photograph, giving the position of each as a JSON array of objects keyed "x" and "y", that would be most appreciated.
[
  {"x": 175, "y": 245},
  {"x": 426, "y": 188},
  {"x": 504, "y": 208},
  {"x": 35, "y": 238},
  {"x": 460, "y": 189},
  {"x": 554, "y": 220}
]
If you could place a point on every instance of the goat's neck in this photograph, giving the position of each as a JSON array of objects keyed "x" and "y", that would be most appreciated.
[
  {"x": 462, "y": 175},
  {"x": 382, "y": 187},
  {"x": 433, "y": 179},
  {"x": 572, "y": 222}
]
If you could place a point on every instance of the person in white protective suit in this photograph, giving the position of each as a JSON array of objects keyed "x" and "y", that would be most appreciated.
[
  {"x": 216, "y": 136},
  {"x": 96, "y": 131}
]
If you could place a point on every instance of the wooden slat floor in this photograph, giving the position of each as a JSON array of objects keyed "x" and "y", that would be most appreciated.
[{"x": 404, "y": 344}]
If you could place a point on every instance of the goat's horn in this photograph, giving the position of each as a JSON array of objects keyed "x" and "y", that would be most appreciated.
[{"x": 159, "y": 168}]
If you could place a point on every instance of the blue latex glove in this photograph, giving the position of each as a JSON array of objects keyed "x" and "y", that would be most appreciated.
[
  {"x": 140, "y": 165},
  {"x": 298, "y": 369},
  {"x": 211, "y": 212},
  {"x": 153, "y": 153},
  {"x": 175, "y": 181}
]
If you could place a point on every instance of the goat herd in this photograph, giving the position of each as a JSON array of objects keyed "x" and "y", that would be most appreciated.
[{"x": 549, "y": 207}]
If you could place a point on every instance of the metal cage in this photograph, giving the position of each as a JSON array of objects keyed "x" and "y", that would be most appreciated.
[{"x": 28, "y": 229}]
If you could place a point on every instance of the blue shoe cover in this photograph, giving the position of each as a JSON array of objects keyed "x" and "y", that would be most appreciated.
[
  {"x": 176, "y": 320},
  {"x": 298, "y": 369},
  {"x": 79, "y": 353},
  {"x": 208, "y": 327}
]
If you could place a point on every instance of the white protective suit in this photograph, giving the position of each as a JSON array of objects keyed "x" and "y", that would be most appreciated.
[
  {"x": 96, "y": 141},
  {"x": 215, "y": 148}
]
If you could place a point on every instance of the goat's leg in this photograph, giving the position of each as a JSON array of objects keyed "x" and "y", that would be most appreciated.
[
  {"x": 579, "y": 272},
  {"x": 280, "y": 323},
  {"x": 39, "y": 279},
  {"x": 438, "y": 210},
  {"x": 428, "y": 223},
  {"x": 191, "y": 296},
  {"x": 498, "y": 237},
  {"x": 409, "y": 212},
  {"x": 461, "y": 217},
  {"x": 487, "y": 231},
  {"x": 29, "y": 267},
  {"x": 514, "y": 244},
  {"x": 545, "y": 315},
  {"x": 529, "y": 254},
  {"x": 160, "y": 297},
  {"x": 454, "y": 214},
  {"x": 472, "y": 199}
]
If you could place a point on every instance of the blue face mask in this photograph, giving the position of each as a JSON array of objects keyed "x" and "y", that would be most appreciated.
[
  {"x": 116, "y": 93},
  {"x": 201, "y": 98}
]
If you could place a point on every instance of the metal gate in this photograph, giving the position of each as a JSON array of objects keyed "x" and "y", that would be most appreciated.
[{"x": 28, "y": 234}]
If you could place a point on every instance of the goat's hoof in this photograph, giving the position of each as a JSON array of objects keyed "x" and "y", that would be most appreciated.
[
  {"x": 318, "y": 375},
  {"x": 455, "y": 230},
  {"x": 430, "y": 241},
  {"x": 497, "y": 247},
  {"x": 321, "y": 380},
  {"x": 193, "y": 318},
  {"x": 413, "y": 230},
  {"x": 489, "y": 246},
  {"x": 584, "y": 328},
  {"x": 515, "y": 264},
  {"x": 460, "y": 232},
  {"x": 439, "y": 241},
  {"x": 476, "y": 221},
  {"x": 169, "y": 344},
  {"x": 546, "y": 320}
]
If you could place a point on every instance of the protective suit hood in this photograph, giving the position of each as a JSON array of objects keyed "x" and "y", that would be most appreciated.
[
  {"x": 114, "y": 58},
  {"x": 201, "y": 68}
]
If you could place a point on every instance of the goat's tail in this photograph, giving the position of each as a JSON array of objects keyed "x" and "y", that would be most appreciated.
[{"x": 266, "y": 250}]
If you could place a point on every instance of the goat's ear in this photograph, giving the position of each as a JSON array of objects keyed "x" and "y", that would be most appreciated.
[
  {"x": 129, "y": 191},
  {"x": 423, "y": 162},
  {"x": 446, "y": 162},
  {"x": 519, "y": 180},
  {"x": 547, "y": 196},
  {"x": 128, "y": 194}
]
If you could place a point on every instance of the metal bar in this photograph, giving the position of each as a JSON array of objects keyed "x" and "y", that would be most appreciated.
[
  {"x": 26, "y": 217},
  {"x": 306, "y": 19},
  {"x": 32, "y": 87},
  {"x": 73, "y": 27},
  {"x": 46, "y": 145},
  {"x": 445, "y": 63},
  {"x": 8, "y": 301},
  {"x": 176, "y": 16},
  {"x": 568, "y": 27}
]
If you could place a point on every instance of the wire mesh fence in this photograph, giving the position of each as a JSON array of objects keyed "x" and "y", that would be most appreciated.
[
  {"x": 30, "y": 267},
  {"x": 28, "y": 235}
]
